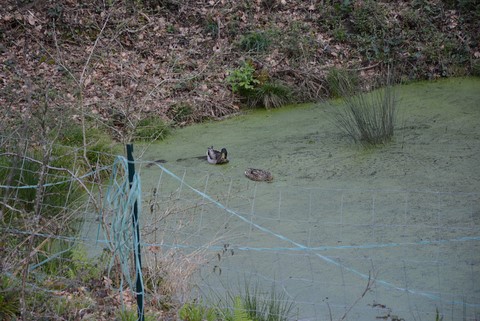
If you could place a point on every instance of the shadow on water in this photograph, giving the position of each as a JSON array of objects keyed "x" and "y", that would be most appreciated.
[{"x": 335, "y": 212}]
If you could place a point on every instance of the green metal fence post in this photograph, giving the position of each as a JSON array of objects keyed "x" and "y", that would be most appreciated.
[{"x": 136, "y": 243}]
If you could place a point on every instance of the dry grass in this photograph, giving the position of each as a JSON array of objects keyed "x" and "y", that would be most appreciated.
[
  {"x": 168, "y": 270},
  {"x": 168, "y": 274}
]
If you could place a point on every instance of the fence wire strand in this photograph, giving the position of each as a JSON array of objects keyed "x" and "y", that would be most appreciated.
[{"x": 319, "y": 246}]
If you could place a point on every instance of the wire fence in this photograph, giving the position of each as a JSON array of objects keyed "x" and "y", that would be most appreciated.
[
  {"x": 337, "y": 253},
  {"x": 323, "y": 247}
]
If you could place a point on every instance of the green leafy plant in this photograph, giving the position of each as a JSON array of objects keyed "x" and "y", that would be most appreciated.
[
  {"x": 62, "y": 307},
  {"x": 471, "y": 8},
  {"x": 240, "y": 312},
  {"x": 171, "y": 28},
  {"x": 127, "y": 315},
  {"x": 340, "y": 33},
  {"x": 269, "y": 4},
  {"x": 242, "y": 80},
  {"x": 344, "y": 6},
  {"x": 333, "y": 17},
  {"x": 55, "y": 258},
  {"x": 256, "y": 88}
]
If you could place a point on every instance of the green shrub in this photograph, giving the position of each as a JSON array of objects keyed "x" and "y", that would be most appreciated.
[
  {"x": 344, "y": 7},
  {"x": 256, "y": 89},
  {"x": 340, "y": 33},
  {"x": 242, "y": 80},
  {"x": 63, "y": 307},
  {"x": 332, "y": 15},
  {"x": 334, "y": 19},
  {"x": 370, "y": 31},
  {"x": 55, "y": 258},
  {"x": 127, "y": 315},
  {"x": 269, "y": 4}
]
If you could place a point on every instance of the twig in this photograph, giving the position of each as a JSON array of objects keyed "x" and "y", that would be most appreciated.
[
  {"x": 9, "y": 207},
  {"x": 364, "y": 68},
  {"x": 93, "y": 50},
  {"x": 367, "y": 288}
]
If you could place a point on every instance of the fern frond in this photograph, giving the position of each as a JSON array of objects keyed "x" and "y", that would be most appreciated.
[{"x": 239, "y": 312}]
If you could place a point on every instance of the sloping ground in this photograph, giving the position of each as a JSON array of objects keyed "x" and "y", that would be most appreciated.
[{"x": 118, "y": 62}]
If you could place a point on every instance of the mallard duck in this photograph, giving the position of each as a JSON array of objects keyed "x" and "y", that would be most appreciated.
[
  {"x": 258, "y": 175},
  {"x": 217, "y": 157}
]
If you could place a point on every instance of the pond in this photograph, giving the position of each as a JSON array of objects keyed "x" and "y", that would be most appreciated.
[{"x": 406, "y": 213}]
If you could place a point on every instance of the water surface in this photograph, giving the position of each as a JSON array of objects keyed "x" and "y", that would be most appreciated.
[{"x": 407, "y": 212}]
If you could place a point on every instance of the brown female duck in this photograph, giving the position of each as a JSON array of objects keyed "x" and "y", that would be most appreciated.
[{"x": 259, "y": 175}]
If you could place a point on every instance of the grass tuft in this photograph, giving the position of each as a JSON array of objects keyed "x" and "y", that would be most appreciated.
[
  {"x": 340, "y": 80},
  {"x": 270, "y": 95},
  {"x": 9, "y": 299},
  {"x": 368, "y": 118},
  {"x": 255, "y": 41},
  {"x": 151, "y": 129},
  {"x": 251, "y": 303},
  {"x": 269, "y": 306}
]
